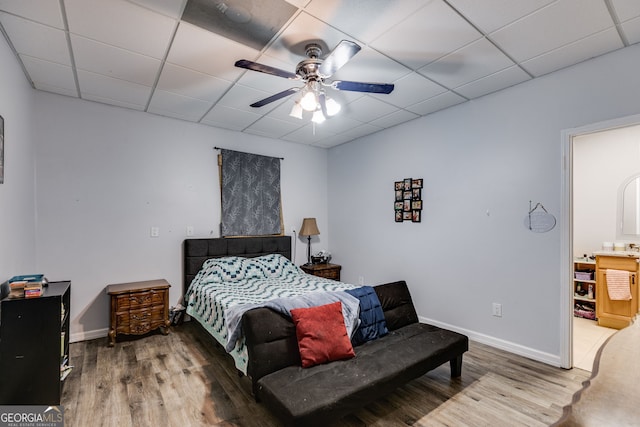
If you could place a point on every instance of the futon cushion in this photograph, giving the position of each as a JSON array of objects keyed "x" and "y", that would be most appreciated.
[
  {"x": 322, "y": 335},
  {"x": 325, "y": 392}
]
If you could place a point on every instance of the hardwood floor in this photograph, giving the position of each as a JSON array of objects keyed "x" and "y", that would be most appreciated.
[{"x": 183, "y": 379}]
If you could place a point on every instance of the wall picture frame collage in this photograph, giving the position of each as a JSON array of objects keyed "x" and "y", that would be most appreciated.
[{"x": 408, "y": 200}]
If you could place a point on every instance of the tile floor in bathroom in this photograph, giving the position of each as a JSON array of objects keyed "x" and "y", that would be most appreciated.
[{"x": 587, "y": 339}]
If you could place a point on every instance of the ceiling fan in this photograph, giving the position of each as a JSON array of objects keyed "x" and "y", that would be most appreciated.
[{"x": 315, "y": 73}]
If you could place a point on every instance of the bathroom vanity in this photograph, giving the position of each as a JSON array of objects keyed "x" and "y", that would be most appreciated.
[{"x": 616, "y": 313}]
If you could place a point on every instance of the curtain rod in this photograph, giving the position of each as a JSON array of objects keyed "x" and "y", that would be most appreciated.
[{"x": 219, "y": 148}]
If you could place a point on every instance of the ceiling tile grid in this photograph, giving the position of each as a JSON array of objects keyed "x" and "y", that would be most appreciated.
[{"x": 142, "y": 54}]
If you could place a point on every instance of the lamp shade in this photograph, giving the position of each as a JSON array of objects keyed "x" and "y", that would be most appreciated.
[{"x": 309, "y": 227}]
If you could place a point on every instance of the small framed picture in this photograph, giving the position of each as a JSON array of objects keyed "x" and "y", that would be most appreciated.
[
  {"x": 415, "y": 216},
  {"x": 416, "y": 205},
  {"x": 407, "y": 205},
  {"x": 407, "y": 195},
  {"x": 406, "y": 215},
  {"x": 407, "y": 183},
  {"x": 416, "y": 183},
  {"x": 398, "y": 195},
  {"x": 399, "y": 185},
  {"x": 398, "y": 216},
  {"x": 399, "y": 206},
  {"x": 415, "y": 193}
]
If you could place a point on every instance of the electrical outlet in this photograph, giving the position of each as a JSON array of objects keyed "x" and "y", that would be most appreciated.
[
  {"x": 189, "y": 230},
  {"x": 497, "y": 309},
  {"x": 155, "y": 231},
  {"x": 360, "y": 280}
]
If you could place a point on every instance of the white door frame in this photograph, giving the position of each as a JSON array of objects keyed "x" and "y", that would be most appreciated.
[{"x": 566, "y": 223}]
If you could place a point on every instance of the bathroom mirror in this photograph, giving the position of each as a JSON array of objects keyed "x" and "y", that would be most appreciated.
[{"x": 629, "y": 208}]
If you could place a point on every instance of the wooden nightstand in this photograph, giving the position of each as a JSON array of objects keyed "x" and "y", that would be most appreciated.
[
  {"x": 138, "y": 308},
  {"x": 326, "y": 270}
]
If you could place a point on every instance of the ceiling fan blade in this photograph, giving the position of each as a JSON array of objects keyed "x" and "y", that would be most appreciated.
[
  {"x": 275, "y": 97},
  {"x": 254, "y": 66},
  {"x": 363, "y": 87},
  {"x": 338, "y": 57}
]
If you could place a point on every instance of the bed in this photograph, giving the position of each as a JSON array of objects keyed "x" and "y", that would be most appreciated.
[{"x": 225, "y": 277}]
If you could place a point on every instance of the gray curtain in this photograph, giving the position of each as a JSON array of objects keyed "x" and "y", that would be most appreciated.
[{"x": 250, "y": 194}]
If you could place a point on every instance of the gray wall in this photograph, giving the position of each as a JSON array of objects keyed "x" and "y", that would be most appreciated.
[
  {"x": 482, "y": 162},
  {"x": 106, "y": 175},
  {"x": 17, "y": 194}
]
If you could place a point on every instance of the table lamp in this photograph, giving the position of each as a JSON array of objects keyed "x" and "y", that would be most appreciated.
[{"x": 309, "y": 228}]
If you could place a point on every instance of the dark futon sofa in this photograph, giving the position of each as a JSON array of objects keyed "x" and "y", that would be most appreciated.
[{"x": 313, "y": 396}]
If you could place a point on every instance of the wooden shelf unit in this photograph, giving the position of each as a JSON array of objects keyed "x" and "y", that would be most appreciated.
[
  {"x": 580, "y": 286},
  {"x": 326, "y": 270}
]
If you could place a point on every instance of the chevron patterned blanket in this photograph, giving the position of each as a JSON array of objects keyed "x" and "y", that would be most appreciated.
[{"x": 228, "y": 285}]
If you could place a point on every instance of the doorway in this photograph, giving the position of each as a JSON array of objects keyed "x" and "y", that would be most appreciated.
[{"x": 596, "y": 160}]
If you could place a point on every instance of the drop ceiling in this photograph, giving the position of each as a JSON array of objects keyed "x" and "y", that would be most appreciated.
[{"x": 142, "y": 54}]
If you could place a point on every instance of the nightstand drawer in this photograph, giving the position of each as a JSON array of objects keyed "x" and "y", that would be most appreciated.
[{"x": 328, "y": 271}]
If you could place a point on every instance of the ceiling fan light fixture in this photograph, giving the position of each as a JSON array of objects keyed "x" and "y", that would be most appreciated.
[
  {"x": 309, "y": 101},
  {"x": 318, "y": 117},
  {"x": 296, "y": 110},
  {"x": 333, "y": 107}
]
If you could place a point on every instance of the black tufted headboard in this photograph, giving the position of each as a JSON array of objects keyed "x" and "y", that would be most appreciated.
[{"x": 196, "y": 251}]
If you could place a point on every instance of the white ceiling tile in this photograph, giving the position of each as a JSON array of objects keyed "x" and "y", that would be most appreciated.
[
  {"x": 171, "y": 8},
  {"x": 308, "y": 134},
  {"x": 113, "y": 61},
  {"x": 181, "y": 107},
  {"x": 573, "y": 53},
  {"x": 426, "y": 35},
  {"x": 241, "y": 98},
  {"x": 138, "y": 29},
  {"x": 50, "y": 74},
  {"x": 43, "y": 11},
  {"x": 192, "y": 83},
  {"x": 626, "y": 9},
  {"x": 393, "y": 119},
  {"x": 411, "y": 89},
  {"x": 476, "y": 60},
  {"x": 273, "y": 128},
  {"x": 229, "y": 118},
  {"x": 208, "y": 52},
  {"x": 339, "y": 123},
  {"x": 631, "y": 30},
  {"x": 439, "y": 102},
  {"x": 483, "y": 13},
  {"x": 36, "y": 40},
  {"x": 364, "y": 20},
  {"x": 114, "y": 102},
  {"x": 551, "y": 27},
  {"x": 55, "y": 89},
  {"x": 360, "y": 131},
  {"x": 368, "y": 108},
  {"x": 110, "y": 88},
  {"x": 494, "y": 82}
]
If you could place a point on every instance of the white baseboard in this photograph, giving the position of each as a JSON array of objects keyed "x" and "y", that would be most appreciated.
[
  {"x": 89, "y": 335},
  {"x": 540, "y": 356}
]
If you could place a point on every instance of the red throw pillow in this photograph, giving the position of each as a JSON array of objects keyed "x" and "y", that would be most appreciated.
[{"x": 322, "y": 336}]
